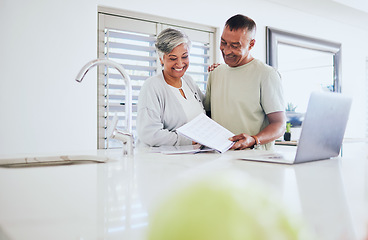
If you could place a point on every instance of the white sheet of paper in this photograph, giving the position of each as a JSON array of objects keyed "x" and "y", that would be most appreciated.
[
  {"x": 205, "y": 131},
  {"x": 180, "y": 149}
]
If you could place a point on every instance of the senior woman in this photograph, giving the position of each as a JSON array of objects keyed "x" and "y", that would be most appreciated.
[{"x": 171, "y": 98}]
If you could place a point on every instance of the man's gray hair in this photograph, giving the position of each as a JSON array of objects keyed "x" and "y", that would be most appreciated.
[{"x": 170, "y": 38}]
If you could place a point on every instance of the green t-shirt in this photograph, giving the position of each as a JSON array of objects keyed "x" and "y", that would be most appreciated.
[{"x": 239, "y": 98}]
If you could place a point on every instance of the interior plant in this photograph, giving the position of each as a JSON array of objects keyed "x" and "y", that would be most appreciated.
[
  {"x": 287, "y": 134},
  {"x": 290, "y": 107}
]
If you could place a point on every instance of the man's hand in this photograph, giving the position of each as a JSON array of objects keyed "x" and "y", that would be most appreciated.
[
  {"x": 212, "y": 67},
  {"x": 242, "y": 141},
  {"x": 274, "y": 130}
]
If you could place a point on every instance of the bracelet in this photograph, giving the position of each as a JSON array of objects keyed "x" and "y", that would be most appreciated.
[{"x": 258, "y": 143}]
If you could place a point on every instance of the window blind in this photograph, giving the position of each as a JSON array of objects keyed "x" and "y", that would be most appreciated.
[{"x": 131, "y": 42}]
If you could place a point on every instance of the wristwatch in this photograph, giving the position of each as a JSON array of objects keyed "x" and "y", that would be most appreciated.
[{"x": 257, "y": 144}]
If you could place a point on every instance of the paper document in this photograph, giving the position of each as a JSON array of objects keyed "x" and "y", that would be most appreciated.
[
  {"x": 207, "y": 132},
  {"x": 197, "y": 148}
]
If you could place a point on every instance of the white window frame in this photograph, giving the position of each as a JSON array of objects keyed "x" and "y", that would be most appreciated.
[{"x": 123, "y": 20}]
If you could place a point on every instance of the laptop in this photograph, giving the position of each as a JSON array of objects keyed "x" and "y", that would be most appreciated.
[{"x": 322, "y": 131}]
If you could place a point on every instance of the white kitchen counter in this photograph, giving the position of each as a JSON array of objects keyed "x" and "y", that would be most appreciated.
[{"x": 112, "y": 200}]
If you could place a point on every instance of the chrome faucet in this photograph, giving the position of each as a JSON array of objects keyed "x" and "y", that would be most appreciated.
[{"x": 126, "y": 138}]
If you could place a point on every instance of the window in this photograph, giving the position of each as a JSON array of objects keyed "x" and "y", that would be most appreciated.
[
  {"x": 306, "y": 64},
  {"x": 128, "y": 38}
]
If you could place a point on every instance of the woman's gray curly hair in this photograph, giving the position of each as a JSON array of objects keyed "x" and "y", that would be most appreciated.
[{"x": 170, "y": 38}]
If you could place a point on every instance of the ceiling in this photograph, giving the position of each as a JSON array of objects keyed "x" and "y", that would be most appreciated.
[
  {"x": 361, "y": 5},
  {"x": 353, "y": 12}
]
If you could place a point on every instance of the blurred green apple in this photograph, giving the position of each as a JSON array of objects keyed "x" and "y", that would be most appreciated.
[{"x": 223, "y": 206}]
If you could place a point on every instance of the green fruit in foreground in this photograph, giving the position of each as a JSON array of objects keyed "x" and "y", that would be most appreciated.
[{"x": 223, "y": 207}]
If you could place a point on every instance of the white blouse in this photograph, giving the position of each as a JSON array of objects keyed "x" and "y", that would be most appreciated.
[{"x": 192, "y": 107}]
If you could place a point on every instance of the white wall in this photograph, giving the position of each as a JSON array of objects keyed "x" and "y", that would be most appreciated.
[{"x": 43, "y": 45}]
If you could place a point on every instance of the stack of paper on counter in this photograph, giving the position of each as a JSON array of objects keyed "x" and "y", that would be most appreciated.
[
  {"x": 196, "y": 148},
  {"x": 207, "y": 132}
]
